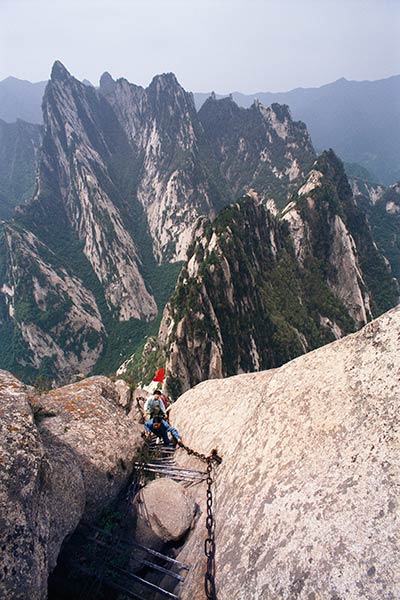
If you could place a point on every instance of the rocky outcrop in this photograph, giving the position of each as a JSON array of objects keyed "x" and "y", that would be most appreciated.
[
  {"x": 257, "y": 148},
  {"x": 305, "y": 500},
  {"x": 24, "y": 521},
  {"x": 258, "y": 290},
  {"x": 64, "y": 455}
]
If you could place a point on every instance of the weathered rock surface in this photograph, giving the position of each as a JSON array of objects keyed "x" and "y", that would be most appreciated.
[
  {"x": 24, "y": 513},
  {"x": 64, "y": 456},
  {"x": 165, "y": 512},
  {"x": 306, "y": 498}
]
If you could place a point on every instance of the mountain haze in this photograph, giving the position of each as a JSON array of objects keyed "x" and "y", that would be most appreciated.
[
  {"x": 19, "y": 146},
  {"x": 360, "y": 120},
  {"x": 21, "y": 99}
]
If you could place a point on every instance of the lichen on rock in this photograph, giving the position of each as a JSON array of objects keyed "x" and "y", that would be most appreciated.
[{"x": 64, "y": 456}]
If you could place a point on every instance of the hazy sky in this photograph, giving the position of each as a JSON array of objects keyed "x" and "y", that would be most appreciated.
[{"x": 221, "y": 45}]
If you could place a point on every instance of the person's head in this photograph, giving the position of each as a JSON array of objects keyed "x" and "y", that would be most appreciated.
[
  {"x": 157, "y": 393},
  {"x": 156, "y": 422}
]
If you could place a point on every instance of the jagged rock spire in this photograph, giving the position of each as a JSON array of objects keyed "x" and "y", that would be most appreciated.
[
  {"x": 59, "y": 72},
  {"x": 107, "y": 83}
]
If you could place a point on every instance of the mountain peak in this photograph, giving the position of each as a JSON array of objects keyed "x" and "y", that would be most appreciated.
[
  {"x": 282, "y": 111},
  {"x": 166, "y": 91},
  {"x": 326, "y": 168},
  {"x": 107, "y": 83},
  {"x": 329, "y": 164},
  {"x": 59, "y": 72},
  {"x": 164, "y": 79},
  {"x": 219, "y": 106}
]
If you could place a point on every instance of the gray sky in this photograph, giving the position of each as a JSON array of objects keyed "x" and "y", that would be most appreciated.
[{"x": 221, "y": 45}]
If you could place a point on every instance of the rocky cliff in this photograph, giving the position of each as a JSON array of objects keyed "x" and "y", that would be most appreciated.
[
  {"x": 124, "y": 172},
  {"x": 80, "y": 190},
  {"x": 192, "y": 165},
  {"x": 382, "y": 206},
  {"x": 257, "y": 148},
  {"x": 174, "y": 186},
  {"x": 337, "y": 233},
  {"x": 64, "y": 456},
  {"x": 259, "y": 290},
  {"x": 305, "y": 501}
]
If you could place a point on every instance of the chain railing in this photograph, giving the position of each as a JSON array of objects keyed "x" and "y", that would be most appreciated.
[{"x": 209, "y": 544}]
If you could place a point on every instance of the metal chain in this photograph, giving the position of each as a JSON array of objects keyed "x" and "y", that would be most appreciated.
[
  {"x": 209, "y": 544},
  {"x": 213, "y": 456}
]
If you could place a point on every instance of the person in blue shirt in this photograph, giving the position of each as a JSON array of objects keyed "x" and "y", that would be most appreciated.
[{"x": 161, "y": 429}]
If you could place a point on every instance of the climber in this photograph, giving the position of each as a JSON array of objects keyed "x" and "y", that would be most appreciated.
[
  {"x": 161, "y": 429},
  {"x": 154, "y": 405}
]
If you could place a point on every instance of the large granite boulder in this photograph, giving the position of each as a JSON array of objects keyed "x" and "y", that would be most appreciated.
[
  {"x": 64, "y": 456},
  {"x": 165, "y": 512},
  {"x": 306, "y": 498}
]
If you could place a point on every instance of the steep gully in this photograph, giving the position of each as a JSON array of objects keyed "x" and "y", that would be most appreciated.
[{"x": 101, "y": 560}]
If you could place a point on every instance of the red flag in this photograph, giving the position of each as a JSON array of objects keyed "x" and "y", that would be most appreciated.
[{"x": 159, "y": 375}]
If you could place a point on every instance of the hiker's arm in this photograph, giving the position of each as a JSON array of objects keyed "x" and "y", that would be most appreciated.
[{"x": 173, "y": 432}]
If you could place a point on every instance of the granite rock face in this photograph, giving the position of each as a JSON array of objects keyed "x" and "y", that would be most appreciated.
[
  {"x": 24, "y": 513},
  {"x": 165, "y": 512},
  {"x": 64, "y": 456},
  {"x": 305, "y": 500}
]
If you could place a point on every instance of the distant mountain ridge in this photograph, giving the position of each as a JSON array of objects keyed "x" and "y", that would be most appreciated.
[
  {"x": 19, "y": 147},
  {"x": 21, "y": 99},
  {"x": 124, "y": 176},
  {"x": 360, "y": 120}
]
